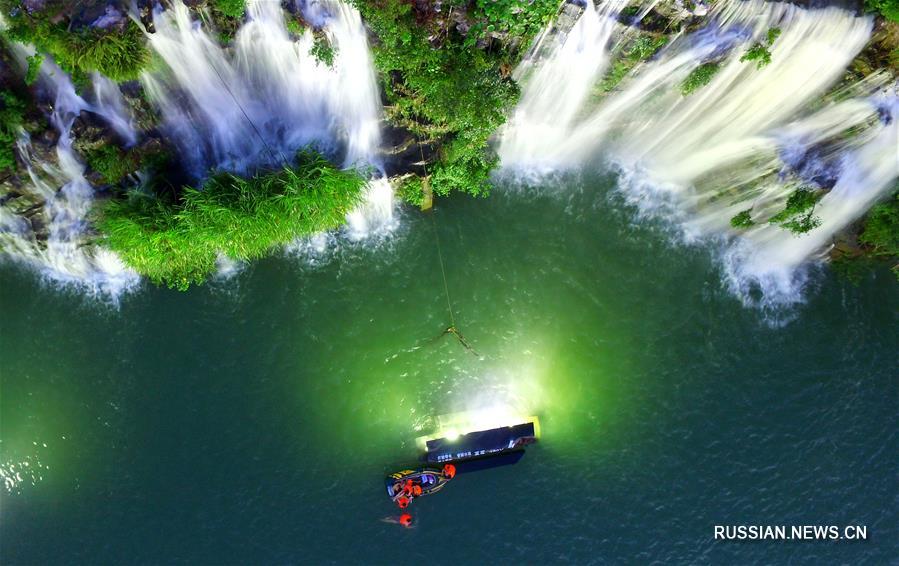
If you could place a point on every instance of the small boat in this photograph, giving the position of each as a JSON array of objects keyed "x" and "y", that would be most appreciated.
[{"x": 406, "y": 485}]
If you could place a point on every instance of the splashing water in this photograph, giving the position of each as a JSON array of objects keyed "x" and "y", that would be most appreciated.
[
  {"x": 258, "y": 104},
  {"x": 867, "y": 167},
  {"x": 233, "y": 109},
  {"x": 68, "y": 199},
  {"x": 735, "y": 143},
  {"x": 376, "y": 212},
  {"x": 559, "y": 73}
]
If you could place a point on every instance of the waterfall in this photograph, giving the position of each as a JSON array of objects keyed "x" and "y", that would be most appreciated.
[
  {"x": 108, "y": 102},
  {"x": 867, "y": 168},
  {"x": 735, "y": 143},
  {"x": 68, "y": 196},
  {"x": 559, "y": 72},
  {"x": 258, "y": 102},
  {"x": 239, "y": 108},
  {"x": 67, "y": 257}
]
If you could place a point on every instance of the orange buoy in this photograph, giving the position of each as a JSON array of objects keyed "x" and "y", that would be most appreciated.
[
  {"x": 416, "y": 490},
  {"x": 449, "y": 471},
  {"x": 402, "y": 501},
  {"x": 406, "y": 520}
]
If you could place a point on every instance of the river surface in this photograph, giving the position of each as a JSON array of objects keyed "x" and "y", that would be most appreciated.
[{"x": 252, "y": 420}]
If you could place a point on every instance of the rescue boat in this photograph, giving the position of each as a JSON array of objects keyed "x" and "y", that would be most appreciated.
[{"x": 406, "y": 485}]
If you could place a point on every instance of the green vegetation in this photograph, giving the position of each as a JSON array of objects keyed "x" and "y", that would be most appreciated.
[
  {"x": 742, "y": 219},
  {"x": 798, "y": 213},
  {"x": 12, "y": 115},
  {"x": 119, "y": 54},
  {"x": 175, "y": 241},
  {"x": 889, "y": 9},
  {"x": 629, "y": 11},
  {"x": 760, "y": 52},
  {"x": 641, "y": 49},
  {"x": 518, "y": 18},
  {"x": 294, "y": 26},
  {"x": 881, "y": 232},
  {"x": 34, "y": 68},
  {"x": 113, "y": 163},
  {"x": 230, "y": 8},
  {"x": 450, "y": 89},
  {"x": 411, "y": 190},
  {"x": 322, "y": 50},
  {"x": 699, "y": 77}
]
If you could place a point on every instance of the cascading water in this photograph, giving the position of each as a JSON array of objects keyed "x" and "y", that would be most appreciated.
[
  {"x": 559, "y": 73},
  {"x": 68, "y": 198},
  {"x": 269, "y": 96},
  {"x": 724, "y": 148},
  {"x": 108, "y": 103},
  {"x": 234, "y": 109},
  {"x": 865, "y": 170}
]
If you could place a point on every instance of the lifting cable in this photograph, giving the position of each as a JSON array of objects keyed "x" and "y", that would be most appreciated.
[
  {"x": 451, "y": 329},
  {"x": 247, "y": 116},
  {"x": 268, "y": 148}
]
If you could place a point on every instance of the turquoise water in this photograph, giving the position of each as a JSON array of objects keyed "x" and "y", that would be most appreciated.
[{"x": 253, "y": 420}]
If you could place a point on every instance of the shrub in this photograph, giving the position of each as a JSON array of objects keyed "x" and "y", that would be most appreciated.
[
  {"x": 12, "y": 111},
  {"x": 451, "y": 89},
  {"x": 643, "y": 48},
  {"x": 231, "y": 8},
  {"x": 411, "y": 190},
  {"x": 881, "y": 231},
  {"x": 889, "y": 9},
  {"x": 113, "y": 163},
  {"x": 798, "y": 213},
  {"x": 295, "y": 26},
  {"x": 760, "y": 52},
  {"x": 742, "y": 219},
  {"x": 121, "y": 55},
  {"x": 699, "y": 77},
  {"x": 34, "y": 68},
  {"x": 520, "y": 18},
  {"x": 322, "y": 50},
  {"x": 176, "y": 241}
]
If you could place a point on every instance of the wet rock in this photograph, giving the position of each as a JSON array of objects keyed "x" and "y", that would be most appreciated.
[
  {"x": 89, "y": 133},
  {"x": 15, "y": 197},
  {"x": 40, "y": 227},
  {"x": 34, "y": 5},
  {"x": 403, "y": 153},
  {"x": 111, "y": 18}
]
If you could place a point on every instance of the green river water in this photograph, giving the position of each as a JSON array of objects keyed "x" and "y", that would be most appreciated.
[{"x": 252, "y": 420}]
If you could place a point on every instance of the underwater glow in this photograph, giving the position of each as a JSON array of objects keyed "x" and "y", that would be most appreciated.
[{"x": 452, "y": 435}]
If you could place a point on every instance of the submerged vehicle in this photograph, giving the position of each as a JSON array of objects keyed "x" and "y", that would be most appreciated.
[
  {"x": 455, "y": 447},
  {"x": 406, "y": 485}
]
